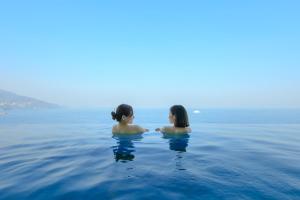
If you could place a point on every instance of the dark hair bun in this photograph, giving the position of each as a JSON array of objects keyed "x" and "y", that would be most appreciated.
[
  {"x": 114, "y": 115},
  {"x": 122, "y": 110}
]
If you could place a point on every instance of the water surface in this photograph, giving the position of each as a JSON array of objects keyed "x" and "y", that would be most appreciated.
[{"x": 71, "y": 154}]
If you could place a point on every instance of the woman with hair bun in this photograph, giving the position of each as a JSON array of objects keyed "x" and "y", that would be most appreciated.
[{"x": 124, "y": 116}]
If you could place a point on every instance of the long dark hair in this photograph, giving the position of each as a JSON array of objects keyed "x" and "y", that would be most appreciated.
[
  {"x": 181, "y": 117},
  {"x": 121, "y": 110}
]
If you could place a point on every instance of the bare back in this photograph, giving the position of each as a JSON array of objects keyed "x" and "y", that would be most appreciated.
[{"x": 127, "y": 129}]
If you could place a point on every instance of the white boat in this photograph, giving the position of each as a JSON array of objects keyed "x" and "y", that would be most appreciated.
[{"x": 196, "y": 111}]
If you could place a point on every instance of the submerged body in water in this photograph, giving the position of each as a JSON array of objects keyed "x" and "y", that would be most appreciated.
[
  {"x": 124, "y": 150},
  {"x": 177, "y": 142}
]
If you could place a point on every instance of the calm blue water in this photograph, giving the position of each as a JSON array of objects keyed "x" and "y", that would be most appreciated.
[{"x": 71, "y": 154}]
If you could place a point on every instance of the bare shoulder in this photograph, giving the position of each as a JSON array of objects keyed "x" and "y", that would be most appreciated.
[
  {"x": 183, "y": 130},
  {"x": 167, "y": 129},
  {"x": 137, "y": 128},
  {"x": 170, "y": 129}
]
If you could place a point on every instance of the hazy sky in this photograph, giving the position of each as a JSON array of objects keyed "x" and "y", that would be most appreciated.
[{"x": 152, "y": 53}]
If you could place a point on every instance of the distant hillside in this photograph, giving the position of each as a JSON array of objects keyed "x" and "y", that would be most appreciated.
[{"x": 9, "y": 100}]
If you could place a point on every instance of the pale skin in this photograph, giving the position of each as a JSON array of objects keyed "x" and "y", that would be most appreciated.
[
  {"x": 173, "y": 129},
  {"x": 125, "y": 126}
]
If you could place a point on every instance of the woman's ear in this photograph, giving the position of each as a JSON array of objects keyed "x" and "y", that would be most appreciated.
[{"x": 124, "y": 118}]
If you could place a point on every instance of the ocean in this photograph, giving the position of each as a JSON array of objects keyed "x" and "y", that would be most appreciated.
[{"x": 72, "y": 154}]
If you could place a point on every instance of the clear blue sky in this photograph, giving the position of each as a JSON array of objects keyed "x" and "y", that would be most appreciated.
[{"x": 152, "y": 53}]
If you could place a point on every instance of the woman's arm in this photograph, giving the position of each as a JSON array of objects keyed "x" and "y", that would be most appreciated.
[{"x": 165, "y": 129}]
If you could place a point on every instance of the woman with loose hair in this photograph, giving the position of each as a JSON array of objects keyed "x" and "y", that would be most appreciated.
[{"x": 179, "y": 118}]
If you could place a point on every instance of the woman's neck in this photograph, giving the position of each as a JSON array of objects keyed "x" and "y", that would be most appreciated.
[
  {"x": 180, "y": 127},
  {"x": 123, "y": 123}
]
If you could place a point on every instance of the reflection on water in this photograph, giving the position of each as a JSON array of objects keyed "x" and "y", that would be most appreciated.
[
  {"x": 124, "y": 150},
  {"x": 177, "y": 142}
]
